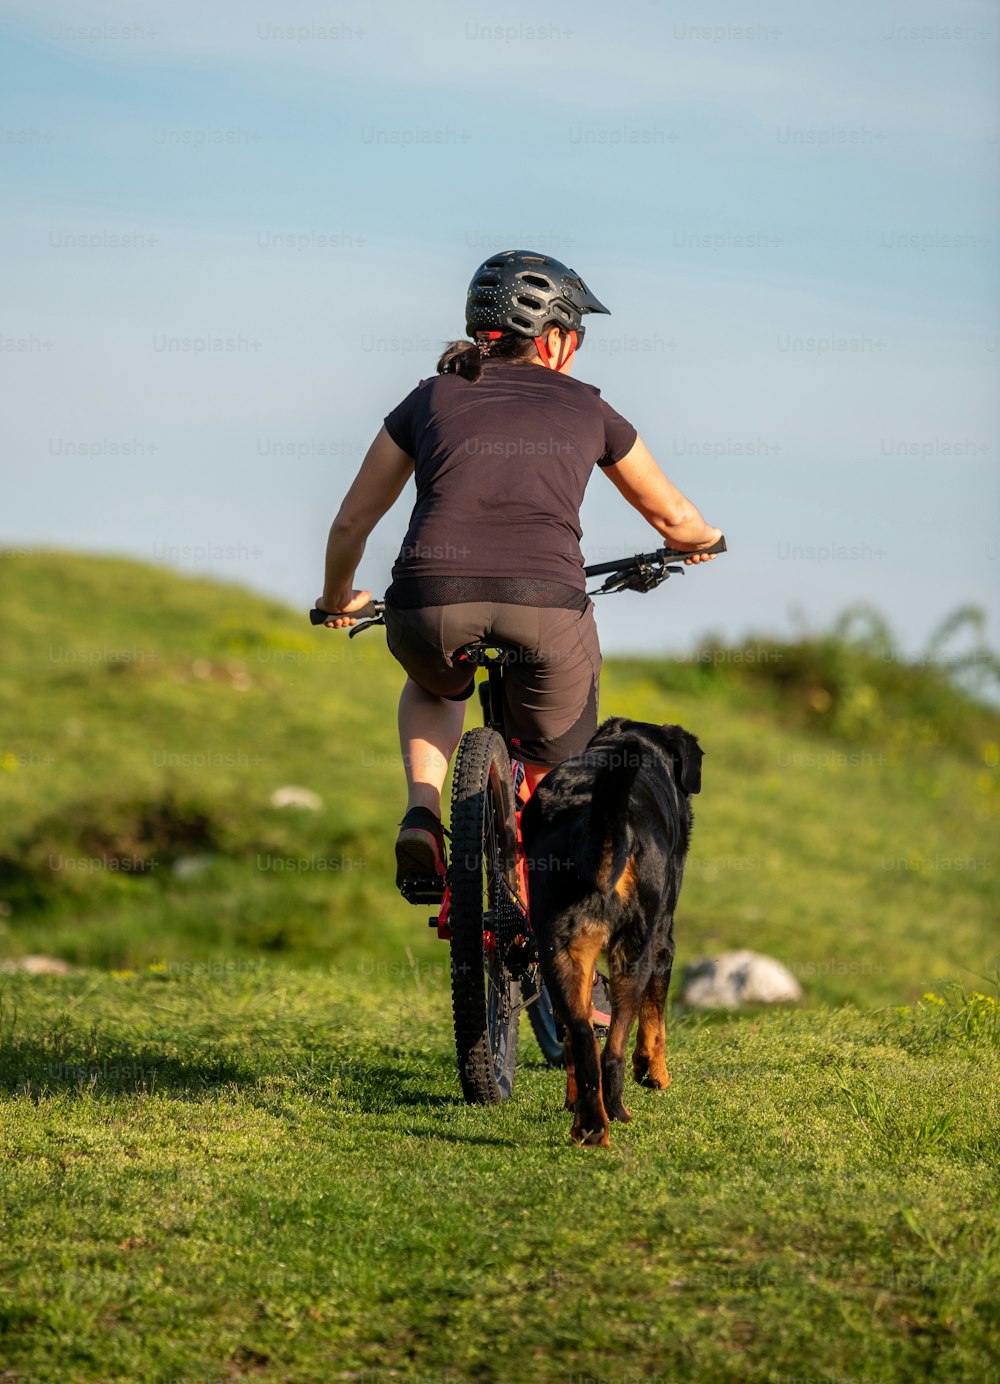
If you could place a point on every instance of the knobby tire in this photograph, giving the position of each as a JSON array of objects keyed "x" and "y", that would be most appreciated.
[{"x": 485, "y": 997}]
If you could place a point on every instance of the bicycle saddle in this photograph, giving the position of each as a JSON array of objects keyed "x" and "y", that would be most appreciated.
[{"x": 484, "y": 652}]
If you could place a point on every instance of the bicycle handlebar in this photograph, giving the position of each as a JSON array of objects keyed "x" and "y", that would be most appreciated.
[
  {"x": 371, "y": 611},
  {"x": 646, "y": 570},
  {"x": 639, "y": 573},
  {"x": 662, "y": 555}
]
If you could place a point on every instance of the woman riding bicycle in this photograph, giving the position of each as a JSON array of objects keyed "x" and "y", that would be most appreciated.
[{"x": 502, "y": 452}]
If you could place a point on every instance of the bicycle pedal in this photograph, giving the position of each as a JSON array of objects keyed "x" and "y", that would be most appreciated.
[{"x": 422, "y": 888}]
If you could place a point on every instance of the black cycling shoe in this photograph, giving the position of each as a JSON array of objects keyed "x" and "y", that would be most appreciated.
[{"x": 421, "y": 862}]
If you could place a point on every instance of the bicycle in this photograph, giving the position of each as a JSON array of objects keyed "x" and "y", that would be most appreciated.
[{"x": 483, "y": 904}]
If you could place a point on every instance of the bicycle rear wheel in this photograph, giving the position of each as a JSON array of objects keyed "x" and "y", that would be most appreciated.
[{"x": 483, "y": 917}]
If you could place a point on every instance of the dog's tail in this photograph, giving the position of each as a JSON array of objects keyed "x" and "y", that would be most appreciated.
[{"x": 602, "y": 853}]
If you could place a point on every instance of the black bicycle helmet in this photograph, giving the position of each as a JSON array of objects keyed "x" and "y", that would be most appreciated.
[{"x": 519, "y": 291}]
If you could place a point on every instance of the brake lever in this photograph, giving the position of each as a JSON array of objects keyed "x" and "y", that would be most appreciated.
[
  {"x": 642, "y": 576},
  {"x": 364, "y": 625}
]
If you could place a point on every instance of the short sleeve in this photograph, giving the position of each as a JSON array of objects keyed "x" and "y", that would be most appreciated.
[
  {"x": 399, "y": 424},
  {"x": 619, "y": 436}
]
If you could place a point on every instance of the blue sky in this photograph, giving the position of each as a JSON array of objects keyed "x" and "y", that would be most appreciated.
[{"x": 792, "y": 212}]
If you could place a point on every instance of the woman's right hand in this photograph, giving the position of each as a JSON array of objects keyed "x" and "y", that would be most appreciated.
[{"x": 711, "y": 536}]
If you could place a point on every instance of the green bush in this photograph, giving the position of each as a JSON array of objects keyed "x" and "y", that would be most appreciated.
[{"x": 853, "y": 684}]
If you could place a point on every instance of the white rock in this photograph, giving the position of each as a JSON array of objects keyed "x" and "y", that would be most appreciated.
[
  {"x": 37, "y": 966},
  {"x": 191, "y": 866},
  {"x": 290, "y": 796},
  {"x": 736, "y": 978}
]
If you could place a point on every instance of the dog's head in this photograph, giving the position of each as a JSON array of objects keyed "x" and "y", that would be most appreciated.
[
  {"x": 675, "y": 743},
  {"x": 687, "y": 755}
]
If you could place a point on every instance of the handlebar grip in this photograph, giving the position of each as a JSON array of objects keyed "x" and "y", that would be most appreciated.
[
  {"x": 719, "y": 546},
  {"x": 367, "y": 612},
  {"x": 662, "y": 555}
]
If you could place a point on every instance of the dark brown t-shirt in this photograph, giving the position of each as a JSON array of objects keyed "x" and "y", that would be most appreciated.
[{"x": 501, "y": 468}]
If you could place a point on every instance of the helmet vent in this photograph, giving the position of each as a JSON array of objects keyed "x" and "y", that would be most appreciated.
[
  {"x": 527, "y": 301},
  {"x": 536, "y": 281}
]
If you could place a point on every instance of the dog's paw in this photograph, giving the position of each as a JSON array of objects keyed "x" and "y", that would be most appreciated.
[
  {"x": 598, "y": 1137},
  {"x": 650, "y": 1073},
  {"x": 654, "y": 1081},
  {"x": 590, "y": 1125},
  {"x": 621, "y": 1113}
]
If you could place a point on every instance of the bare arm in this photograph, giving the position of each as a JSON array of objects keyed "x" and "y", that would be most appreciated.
[
  {"x": 375, "y": 489},
  {"x": 660, "y": 503}
]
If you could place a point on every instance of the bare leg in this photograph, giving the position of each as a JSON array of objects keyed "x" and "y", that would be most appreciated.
[{"x": 429, "y": 731}]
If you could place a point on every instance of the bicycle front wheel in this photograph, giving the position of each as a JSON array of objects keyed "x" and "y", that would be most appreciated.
[{"x": 483, "y": 917}]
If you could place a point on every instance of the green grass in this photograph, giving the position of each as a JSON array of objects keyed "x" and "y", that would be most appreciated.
[
  {"x": 233, "y": 1144},
  {"x": 272, "y": 1176}
]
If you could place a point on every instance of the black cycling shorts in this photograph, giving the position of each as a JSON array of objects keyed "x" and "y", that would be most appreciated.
[{"x": 550, "y": 684}]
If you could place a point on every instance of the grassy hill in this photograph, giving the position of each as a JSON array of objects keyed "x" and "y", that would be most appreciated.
[
  {"x": 233, "y": 1142},
  {"x": 847, "y": 823}
]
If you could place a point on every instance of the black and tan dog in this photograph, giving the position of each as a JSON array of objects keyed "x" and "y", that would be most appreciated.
[{"x": 606, "y": 835}]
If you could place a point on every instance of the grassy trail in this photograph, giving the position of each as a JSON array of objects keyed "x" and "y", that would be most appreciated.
[{"x": 272, "y": 1176}]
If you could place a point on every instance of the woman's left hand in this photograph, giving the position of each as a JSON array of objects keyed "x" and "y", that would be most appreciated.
[{"x": 343, "y": 621}]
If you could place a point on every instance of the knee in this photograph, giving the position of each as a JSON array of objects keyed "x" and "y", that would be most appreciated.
[{"x": 412, "y": 692}]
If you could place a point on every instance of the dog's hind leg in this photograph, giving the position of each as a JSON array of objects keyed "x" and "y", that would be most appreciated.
[
  {"x": 557, "y": 972},
  {"x": 649, "y": 1062},
  {"x": 570, "y": 1072},
  {"x": 625, "y": 999},
  {"x": 572, "y": 977}
]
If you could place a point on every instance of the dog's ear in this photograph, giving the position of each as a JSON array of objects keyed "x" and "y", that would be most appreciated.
[
  {"x": 687, "y": 757},
  {"x": 607, "y": 730}
]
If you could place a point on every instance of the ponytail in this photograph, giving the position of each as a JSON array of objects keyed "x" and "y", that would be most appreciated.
[
  {"x": 466, "y": 358},
  {"x": 461, "y": 358}
]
